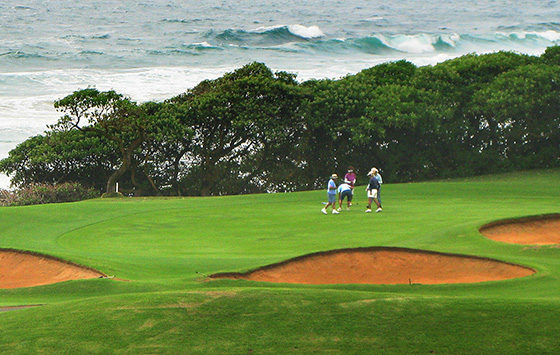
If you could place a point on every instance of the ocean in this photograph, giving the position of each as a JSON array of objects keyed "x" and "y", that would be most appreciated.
[{"x": 155, "y": 49}]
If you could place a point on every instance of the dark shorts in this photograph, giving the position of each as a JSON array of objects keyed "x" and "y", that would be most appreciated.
[{"x": 347, "y": 194}]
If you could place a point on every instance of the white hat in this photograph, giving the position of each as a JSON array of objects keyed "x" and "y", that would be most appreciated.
[
  {"x": 334, "y": 176},
  {"x": 373, "y": 171}
]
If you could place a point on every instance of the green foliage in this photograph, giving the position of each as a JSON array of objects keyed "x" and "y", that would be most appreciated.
[
  {"x": 521, "y": 107},
  {"x": 244, "y": 125},
  {"x": 551, "y": 55},
  {"x": 114, "y": 117},
  {"x": 88, "y": 107},
  {"x": 61, "y": 156},
  {"x": 400, "y": 72}
]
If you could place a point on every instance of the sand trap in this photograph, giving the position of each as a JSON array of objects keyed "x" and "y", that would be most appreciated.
[
  {"x": 383, "y": 266},
  {"x": 537, "y": 230},
  {"x": 26, "y": 269}
]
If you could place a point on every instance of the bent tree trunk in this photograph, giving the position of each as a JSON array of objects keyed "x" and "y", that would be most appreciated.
[
  {"x": 126, "y": 163},
  {"x": 111, "y": 183}
]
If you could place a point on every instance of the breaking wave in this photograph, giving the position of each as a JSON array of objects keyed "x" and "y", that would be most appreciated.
[
  {"x": 290, "y": 38},
  {"x": 304, "y": 40}
]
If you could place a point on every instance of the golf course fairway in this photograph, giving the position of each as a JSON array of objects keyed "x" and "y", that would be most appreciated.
[{"x": 155, "y": 256}]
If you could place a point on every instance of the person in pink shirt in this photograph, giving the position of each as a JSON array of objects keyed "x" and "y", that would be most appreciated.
[{"x": 350, "y": 179}]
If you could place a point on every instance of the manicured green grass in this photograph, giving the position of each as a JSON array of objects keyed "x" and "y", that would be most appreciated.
[{"x": 165, "y": 247}]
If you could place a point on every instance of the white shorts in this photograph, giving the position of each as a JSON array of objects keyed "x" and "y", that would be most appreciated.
[{"x": 372, "y": 193}]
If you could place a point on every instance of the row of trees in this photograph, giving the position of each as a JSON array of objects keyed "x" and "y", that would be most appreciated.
[{"x": 253, "y": 130}]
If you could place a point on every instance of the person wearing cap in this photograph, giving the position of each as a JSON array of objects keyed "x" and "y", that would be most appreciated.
[
  {"x": 331, "y": 194},
  {"x": 380, "y": 180},
  {"x": 372, "y": 190},
  {"x": 344, "y": 191}
]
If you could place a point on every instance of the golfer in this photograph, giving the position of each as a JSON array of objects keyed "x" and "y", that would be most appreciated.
[
  {"x": 380, "y": 180},
  {"x": 331, "y": 194},
  {"x": 372, "y": 190},
  {"x": 344, "y": 191},
  {"x": 350, "y": 177}
]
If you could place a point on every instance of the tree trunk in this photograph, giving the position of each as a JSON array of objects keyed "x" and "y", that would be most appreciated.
[
  {"x": 111, "y": 183},
  {"x": 126, "y": 162},
  {"x": 176, "y": 176},
  {"x": 138, "y": 191},
  {"x": 208, "y": 179},
  {"x": 153, "y": 184}
]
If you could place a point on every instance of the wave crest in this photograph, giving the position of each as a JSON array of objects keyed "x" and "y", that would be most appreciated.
[
  {"x": 271, "y": 35},
  {"x": 296, "y": 30}
]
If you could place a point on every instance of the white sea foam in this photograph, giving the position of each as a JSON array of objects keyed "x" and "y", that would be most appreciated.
[
  {"x": 552, "y": 36},
  {"x": 4, "y": 181},
  {"x": 418, "y": 43},
  {"x": 203, "y": 45},
  {"x": 451, "y": 39},
  {"x": 262, "y": 29},
  {"x": 297, "y": 30},
  {"x": 306, "y": 32}
]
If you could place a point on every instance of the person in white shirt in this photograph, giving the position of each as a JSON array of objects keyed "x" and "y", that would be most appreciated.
[
  {"x": 331, "y": 195},
  {"x": 344, "y": 191}
]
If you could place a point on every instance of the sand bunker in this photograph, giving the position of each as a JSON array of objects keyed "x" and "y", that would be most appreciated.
[
  {"x": 537, "y": 230},
  {"x": 26, "y": 269},
  {"x": 383, "y": 266}
]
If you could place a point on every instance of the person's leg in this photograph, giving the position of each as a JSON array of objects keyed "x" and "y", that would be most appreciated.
[
  {"x": 379, "y": 194},
  {"x": 376, "y": 199},
  {"x": 324, "y": 210},
  {"x": 332, "y": 202}
]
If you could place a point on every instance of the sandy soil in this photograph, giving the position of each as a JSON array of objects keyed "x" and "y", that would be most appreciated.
[
  {"x": 24, "y": 269},
  {"x": 539, "y": 230},
  {"x": 383, "y": 266}
]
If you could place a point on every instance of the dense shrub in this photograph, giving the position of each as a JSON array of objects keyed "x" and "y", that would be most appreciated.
[{"x": 36, "y": 194}]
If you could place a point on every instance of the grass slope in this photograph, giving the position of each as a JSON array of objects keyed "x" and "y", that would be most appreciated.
[{"x": 166, "y": 246}]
